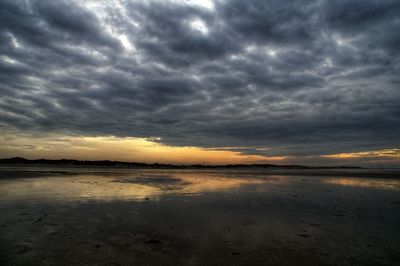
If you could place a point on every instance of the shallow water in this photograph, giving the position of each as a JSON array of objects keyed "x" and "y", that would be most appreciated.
[{"x": 191, "y": 217}]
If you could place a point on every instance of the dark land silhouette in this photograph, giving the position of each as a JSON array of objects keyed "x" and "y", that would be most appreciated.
[{"x": 18, "y": 161}]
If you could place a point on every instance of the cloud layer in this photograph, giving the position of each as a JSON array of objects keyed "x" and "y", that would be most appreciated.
[{"x": 274, "y": 78}]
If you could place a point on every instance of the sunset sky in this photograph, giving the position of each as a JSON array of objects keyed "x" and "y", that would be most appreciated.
[{"x": 312, "y": 82}]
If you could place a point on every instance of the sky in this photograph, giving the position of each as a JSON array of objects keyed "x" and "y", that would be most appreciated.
[{"x": 312, "y": 82}]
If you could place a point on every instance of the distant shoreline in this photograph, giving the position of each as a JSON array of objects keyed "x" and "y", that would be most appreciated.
[{"x": 18, "y": 161}]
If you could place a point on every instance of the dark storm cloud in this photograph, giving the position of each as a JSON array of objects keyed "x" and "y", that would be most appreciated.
[{"x": 278, "y": 77}]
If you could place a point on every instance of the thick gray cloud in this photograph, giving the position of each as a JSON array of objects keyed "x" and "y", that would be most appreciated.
[{"x": 298, "y": 78}]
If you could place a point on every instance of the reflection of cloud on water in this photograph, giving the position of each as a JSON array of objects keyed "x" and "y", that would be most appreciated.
[
  {"x": 72, "y": 188},
  {"x": 142, "y": 185},
  {"x": 368, "y": 183},
  {"x": 208, "y": 183},
  {"x": 135, "y": 187}
]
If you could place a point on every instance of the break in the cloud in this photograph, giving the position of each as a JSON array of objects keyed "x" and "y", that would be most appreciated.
[{"x": 267, "y": 78}]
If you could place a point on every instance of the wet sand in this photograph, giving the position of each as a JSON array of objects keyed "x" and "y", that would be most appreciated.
[{"x": 192, "y": 217}]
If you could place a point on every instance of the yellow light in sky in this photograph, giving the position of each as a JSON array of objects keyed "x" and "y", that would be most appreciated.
[
  {"x": 122, "y": 149},
  {"x": 388, "y": 153},
  {"x": 152, "y": 151}
]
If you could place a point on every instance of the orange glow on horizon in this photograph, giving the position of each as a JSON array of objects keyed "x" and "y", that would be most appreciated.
[
  {"x": 386, "y": 153},
  {"x": 121, "y": 149},
  {"x": 150, "y": 150}
]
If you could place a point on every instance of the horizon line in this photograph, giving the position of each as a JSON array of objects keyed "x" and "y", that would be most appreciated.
[{"x": 17, "y": 159}]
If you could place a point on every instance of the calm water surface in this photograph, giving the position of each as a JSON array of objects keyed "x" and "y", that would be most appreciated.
[{"x": 189, "y": 217}]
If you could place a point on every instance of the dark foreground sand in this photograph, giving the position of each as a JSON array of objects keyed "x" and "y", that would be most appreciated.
[{"x": 161, "y": 217}]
